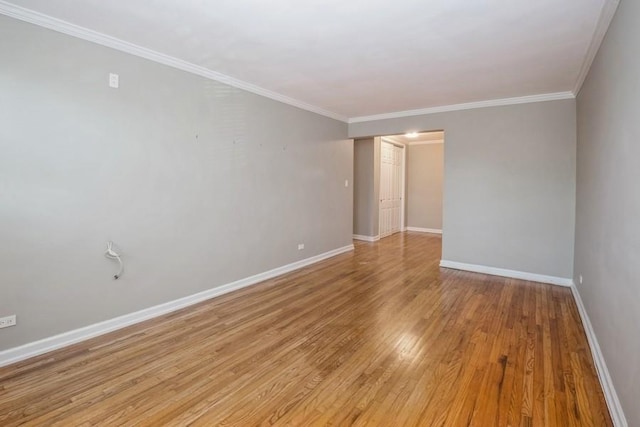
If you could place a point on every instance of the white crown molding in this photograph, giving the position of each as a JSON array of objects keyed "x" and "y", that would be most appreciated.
[
  {"x": 425, "y": 230},
  {"x": 70, "y": 29},
  {"x": 606, "y": 15},
  {"x": 467, "y": 106},
  {"x": 532, "y": 277},
  {"x": 435, "y": 141},
  {"x": 55, "y": 342},
  {"x": 610, "y": 395},
  {"x": 392, "y": 140},
  {"x": 42, "y": 20},
  {"x": 366, "y": 238}
]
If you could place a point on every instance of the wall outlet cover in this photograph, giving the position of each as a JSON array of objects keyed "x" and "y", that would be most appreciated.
[
  {"x": 114, "y": 80},
  {"x": 8, "y": 321}
]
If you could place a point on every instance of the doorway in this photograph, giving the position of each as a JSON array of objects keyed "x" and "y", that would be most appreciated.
[
  {"x": 398, "y": 184},
  {"x": 391, "y": 212}
]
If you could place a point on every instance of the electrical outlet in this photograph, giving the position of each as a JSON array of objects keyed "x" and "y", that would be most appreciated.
[
  {"x": 5, "y": 322},
  {"x": 300, "y": 246},
  {"x": 114, "y": 80},
  {"x": 580, "y": 279}
]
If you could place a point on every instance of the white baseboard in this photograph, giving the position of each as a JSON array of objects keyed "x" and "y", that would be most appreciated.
[
  {"x": 55, "y": 342},
  {"x": 425, "y": 230},
  {"x": 610, "y": 395},
  {"x": 552, "y": 280},
  {"x": 366, "y": 238}
]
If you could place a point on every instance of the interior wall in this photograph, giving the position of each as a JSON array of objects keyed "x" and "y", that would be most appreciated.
[
  {"x": 199, "y": 184},
  {"x": 425, "y": 170},
  {"x": 366, "y": 214},
  {"x": 509, "y": 183},
  {"x": 364, "y": 197},
  {"x": 375, "y": 209},
  {"x": 608, "y": 203}
]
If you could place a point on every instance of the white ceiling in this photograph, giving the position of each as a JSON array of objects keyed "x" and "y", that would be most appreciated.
[{"x": 361, "y": 57}]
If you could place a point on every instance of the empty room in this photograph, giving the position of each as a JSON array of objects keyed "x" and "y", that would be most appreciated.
[{"x": 409, "y": 213}]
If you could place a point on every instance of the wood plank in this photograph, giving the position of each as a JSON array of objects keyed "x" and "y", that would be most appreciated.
[{"x": 381, "y": 336}]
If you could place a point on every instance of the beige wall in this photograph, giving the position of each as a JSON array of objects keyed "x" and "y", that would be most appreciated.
[
  {"x": 198, "y": 183},
  {"x": 608, "y": 203},
  {"x": 425, "y": 169},
  {"x": 509, "y": 183}
]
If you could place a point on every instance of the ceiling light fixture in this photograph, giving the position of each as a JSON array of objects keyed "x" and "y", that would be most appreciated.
[{"x": 411, "y": 134}]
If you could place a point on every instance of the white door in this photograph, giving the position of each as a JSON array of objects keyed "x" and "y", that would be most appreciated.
[{"x": 391, "y": 158}]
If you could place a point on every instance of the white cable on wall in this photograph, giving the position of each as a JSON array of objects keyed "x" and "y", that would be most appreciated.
[{"x": 111, "y": 254}]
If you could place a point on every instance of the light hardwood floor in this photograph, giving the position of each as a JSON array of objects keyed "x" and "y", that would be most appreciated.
[{"x": 381, "y": 336}]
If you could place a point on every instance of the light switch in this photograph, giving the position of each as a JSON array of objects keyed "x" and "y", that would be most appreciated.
[{"x": 346, "y": 182}]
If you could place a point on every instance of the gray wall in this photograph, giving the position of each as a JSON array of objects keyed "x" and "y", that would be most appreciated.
[
  {"x": 366, "y": 186},
  {"x": 425, "y": 169},
  {"x": 608, "y": 203},
  {"x": 509, "y": 183},
  {"x": 364, "y": 198},
  {"x": 198, "y": 183},
  {"x": 375, "y": 210}
]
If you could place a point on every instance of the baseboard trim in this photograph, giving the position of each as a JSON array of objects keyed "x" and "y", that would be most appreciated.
[
  {"x": 610, "y": 395},
  {"x": 366, "y": 238},
  {"x": 494, "y": 271},
  {"x": 65, "y": 339},
  {"x": 425, "y": 230}
]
